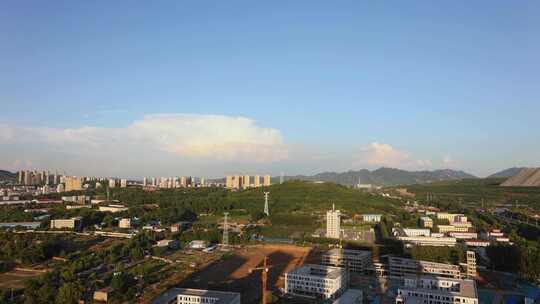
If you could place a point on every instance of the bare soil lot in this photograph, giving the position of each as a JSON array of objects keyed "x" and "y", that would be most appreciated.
[
  {"x": 15, "y": 279},
  {"x": 233, "y": 272}
]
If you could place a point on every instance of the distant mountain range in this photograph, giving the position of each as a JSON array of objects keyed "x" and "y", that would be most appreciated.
[
  {"x": 6, "y": 175},
  {"x": 385, "y": 177},
  {"x": 506, "y": 173},
  {"x": 526, "y": 177}
]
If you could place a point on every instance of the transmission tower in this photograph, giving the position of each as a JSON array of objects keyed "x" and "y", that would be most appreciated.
[
  {"x": 266, "y": 210},
  {"x": 226, "y": 230}
]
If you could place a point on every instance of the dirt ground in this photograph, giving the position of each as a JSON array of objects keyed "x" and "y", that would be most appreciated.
[
  {"x": 15, "y": 279},
  {"x": 233, "y": 272}
]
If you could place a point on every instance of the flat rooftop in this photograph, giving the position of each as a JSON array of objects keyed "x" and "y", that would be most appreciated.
[
  {"x": 350, "y": 296},
  {"x": 467, "y": 288},
  {"x": 329, "y": 272},
  {"x": 337, "y": 251},
  {"x": 223, "y": 296}
]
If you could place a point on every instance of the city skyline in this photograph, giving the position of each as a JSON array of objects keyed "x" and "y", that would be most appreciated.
[{"x": 300, "y": 88}]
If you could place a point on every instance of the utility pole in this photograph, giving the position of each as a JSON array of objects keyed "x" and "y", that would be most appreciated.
[
  {"x": 226, "y": 231},
  {"x": 266, "y": 209}
]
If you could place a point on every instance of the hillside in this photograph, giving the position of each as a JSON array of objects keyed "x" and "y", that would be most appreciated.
[
  {"x": 384, "y": 177},
  {"x": 7, "y": 176},
  {"x": 528, "y": 177},
  {"x": 506, "y": 173},
  {"x": 473, "y": 191}
]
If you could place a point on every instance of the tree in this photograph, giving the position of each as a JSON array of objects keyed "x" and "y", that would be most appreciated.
[{"x": 68, "y": 293}]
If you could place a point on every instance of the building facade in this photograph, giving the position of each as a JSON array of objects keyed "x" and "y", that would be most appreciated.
[
  {"x": 333, "y": 223},
  {"x": 437, "y": 290},
  {"x": 324, "y": 282},
  {"x": 359, "y": 261},
  {"x": 196, "y": 296}
]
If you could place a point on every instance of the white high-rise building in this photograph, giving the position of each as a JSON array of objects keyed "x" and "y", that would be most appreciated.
[{"x": 333, "y": 223}]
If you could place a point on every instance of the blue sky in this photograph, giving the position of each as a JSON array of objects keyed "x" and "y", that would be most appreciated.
[{"x": 297, "y": 86}]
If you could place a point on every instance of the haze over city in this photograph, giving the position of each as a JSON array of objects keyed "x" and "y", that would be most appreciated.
[{"x": 206, "y": 88}]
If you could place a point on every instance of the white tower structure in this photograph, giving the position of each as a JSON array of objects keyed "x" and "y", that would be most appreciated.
[
  {"x": 266, "y": 210},
  {"x": 333, "y": 223},
  {"x": 226, "y": 230}
]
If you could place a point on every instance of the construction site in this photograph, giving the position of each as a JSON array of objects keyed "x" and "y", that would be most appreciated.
[{"x": 243, "y": 270}]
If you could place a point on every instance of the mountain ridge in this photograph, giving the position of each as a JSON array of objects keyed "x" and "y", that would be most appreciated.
[
  {"x": 384, "y": 176},
  {"x": 507, "y": 173}
]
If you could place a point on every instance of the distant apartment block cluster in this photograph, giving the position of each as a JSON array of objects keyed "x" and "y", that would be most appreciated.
[
  {"x": 246, "y": 181},
  {"x": 174, "y": 182}
]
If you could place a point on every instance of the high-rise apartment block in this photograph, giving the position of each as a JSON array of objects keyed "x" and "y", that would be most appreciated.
[
  {"x": 266, "y": 181},
  {"x": 333, "y": 223},
  {"x": 72, "y": 183}
]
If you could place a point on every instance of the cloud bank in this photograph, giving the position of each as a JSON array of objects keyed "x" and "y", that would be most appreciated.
[
  {"x": 185, "y": 137},
  {"x": 384, "y": 155}
]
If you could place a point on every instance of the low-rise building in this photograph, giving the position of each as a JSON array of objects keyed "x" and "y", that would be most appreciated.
[
  {"x": 464, "y": 235},
  {"x": 402, "y": 267},
  {"x": 124, "y": 223},
  {"x": 372, "y": 218},
  {"x": 177, "y": 227},
  {"x": 198, "y": 244},
  {"x": 428, "y": 240},
  {"x": 426, "y": 222},
  {"x": 113, "y": 208},
  {"x": 452, "y": 228},
  {"x": 399, "y": 231},
  {"x": 26, "y": 225},
  {"x": 102, "y": 295},
  {"x": 317, "y": 281},
  {"x": 172, "y": 244},
  {"x": 196, "y": 296},
  {"x": 359, "y": 261},
  {"x": 428, "y": 289},
  {"x": 74, "y": 223}
]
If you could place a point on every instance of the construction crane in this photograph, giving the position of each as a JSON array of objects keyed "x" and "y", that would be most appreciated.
[
  {"x": 264, "y": 279},
  {"x": 264, "y": 276}
]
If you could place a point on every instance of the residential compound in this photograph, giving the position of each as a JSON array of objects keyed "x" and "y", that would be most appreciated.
[
  {"x": 325, "y": 282},
  {"x": 430, "y": 289},
  {"x": 333, "y": 223},
  {"x": 359, "y": 261},
  {"x": 196, "y": 296},
  {"x": 246, "y": 181}
]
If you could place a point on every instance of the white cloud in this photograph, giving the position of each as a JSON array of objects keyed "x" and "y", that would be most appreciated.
[
  {"x": 384, "y": 155},
  {"x": 184, "y": 136},
  {"x": 449, "y": 162}
]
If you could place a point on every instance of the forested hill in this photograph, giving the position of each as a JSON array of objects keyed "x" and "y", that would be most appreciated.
[
  {"x": 385, "y": 177},
  {"x": 6, "y": 175}
]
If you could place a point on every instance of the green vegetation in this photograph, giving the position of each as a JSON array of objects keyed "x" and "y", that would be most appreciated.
[
  {"x": 451, "y": 255},
  {"x": 523, "y": 259},
  {"x": 447, "y": 194}
]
